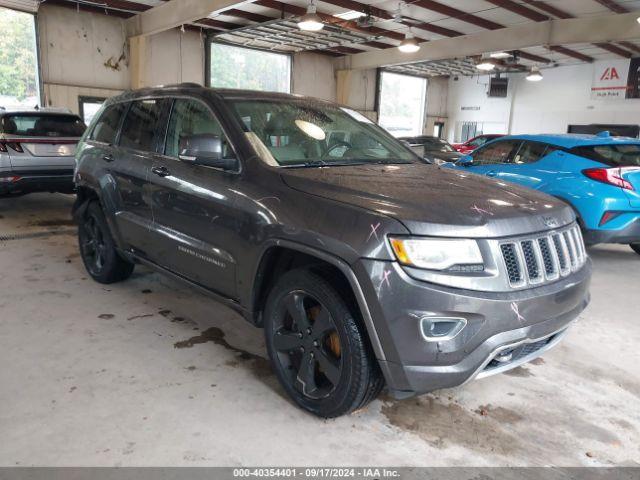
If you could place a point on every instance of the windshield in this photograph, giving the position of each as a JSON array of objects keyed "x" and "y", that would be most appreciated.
[
  {"x": 438, "y": 145},
  {"x": 622, "y": 155},
  {"x": 307, "y": 134},
  {"x": 43, "y": 125}
]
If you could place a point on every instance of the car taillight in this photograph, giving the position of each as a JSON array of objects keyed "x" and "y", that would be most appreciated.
[
  {"x": 15, "y": 146},
  {"x": 11, "y": 179},
  {"x": 608, "y": 216},
  {"x": 612, "y": 176}
]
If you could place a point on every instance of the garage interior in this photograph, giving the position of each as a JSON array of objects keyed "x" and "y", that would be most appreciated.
[{"x": 151, "y": 373}]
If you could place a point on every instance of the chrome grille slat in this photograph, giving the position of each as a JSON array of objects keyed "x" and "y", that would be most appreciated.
[
  {"x": 538, "y": 260},
  {"x": 572, "y": 252}
]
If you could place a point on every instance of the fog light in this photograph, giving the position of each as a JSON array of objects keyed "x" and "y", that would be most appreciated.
[{"x": 439, "y": 329}]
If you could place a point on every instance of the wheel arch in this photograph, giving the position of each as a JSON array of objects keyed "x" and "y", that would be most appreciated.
[{"x": 279, "y": 256}]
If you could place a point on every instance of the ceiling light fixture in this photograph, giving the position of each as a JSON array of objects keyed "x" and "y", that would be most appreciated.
[
  {"x": 311, "y": 21},
  {"x": 409, "y": 44},
  {"x": 534, "y": 75},
  {"x": 485, "y": 64},
  {"x": 500, "y": 55},
  {"x": 350, "y": 15}
]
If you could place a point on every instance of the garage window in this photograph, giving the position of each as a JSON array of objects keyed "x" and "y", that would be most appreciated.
[
  {"x": 402, "y": 104},
  {"x": 247, "y": 68},
  {"x": 18, "y": 60},
  {"x": 88, "y": 107}
]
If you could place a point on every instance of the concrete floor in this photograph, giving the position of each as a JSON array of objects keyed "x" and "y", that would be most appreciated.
[{"x": 147, "y": 372}]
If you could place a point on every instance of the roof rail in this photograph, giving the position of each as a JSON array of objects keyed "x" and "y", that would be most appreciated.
[{"x": 183, "y": 84}]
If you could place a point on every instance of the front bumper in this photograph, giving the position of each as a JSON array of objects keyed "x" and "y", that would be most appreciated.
[
  {"x": 18, "y": 183},
  {"x": 495, "y": 323}
]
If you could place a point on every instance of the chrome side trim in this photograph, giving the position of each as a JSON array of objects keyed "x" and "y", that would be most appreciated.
[{"x": 481, "y": 373}]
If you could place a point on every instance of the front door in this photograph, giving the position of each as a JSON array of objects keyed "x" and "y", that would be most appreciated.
[
  {"x": 494, "y": 158},
  {"x": 193, "y": 205}
]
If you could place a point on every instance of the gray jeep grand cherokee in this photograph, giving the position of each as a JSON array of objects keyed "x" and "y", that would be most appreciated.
[{"x": 364, "y": 265}]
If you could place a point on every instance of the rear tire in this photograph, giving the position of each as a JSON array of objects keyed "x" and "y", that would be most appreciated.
[
  {"x": 635, "y": 247},
  {"x": 319, "y": 351},
  {"x": 98, "y": 250}
]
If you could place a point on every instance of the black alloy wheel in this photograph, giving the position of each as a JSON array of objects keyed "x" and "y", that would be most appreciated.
[
  {"x": 318, "y": 346},
  {"x": 92, "y": 245},
  {"x": 98, "y": 250},
  {"x": 307, "y": 345}
]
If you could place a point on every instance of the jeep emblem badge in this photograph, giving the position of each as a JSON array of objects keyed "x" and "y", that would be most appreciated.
[{"x": 550, "y": 222}]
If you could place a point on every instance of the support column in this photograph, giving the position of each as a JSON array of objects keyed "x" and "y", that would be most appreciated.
[{"x": 137, "y": 51}]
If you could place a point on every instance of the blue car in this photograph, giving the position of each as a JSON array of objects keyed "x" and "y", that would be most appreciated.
[{"x": 598, "y": 175}]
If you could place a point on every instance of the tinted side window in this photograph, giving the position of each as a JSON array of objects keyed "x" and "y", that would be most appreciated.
[
  {"x": 141, "y": 124},
  {"x": 191, "y": 117},
  {"x": 478, "y": 142},
  {"x": 106, "y": 128},
  {"x": 531, "y": 152},
  {"x": 623, "y": 155},
  {"x": 498, "y": 152}
]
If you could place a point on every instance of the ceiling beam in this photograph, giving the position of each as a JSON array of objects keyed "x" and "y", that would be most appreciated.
[
  {"x": 218, "y": 24},
  {"x": 520, "y": 10},
  {"x": 630, "y": 46},
  {"x": 386, "y": 15},
  {"x": 564, "y": 15},
  {"x": 545, "y": 7},
  {"x": 347, "y": 24},
  {"x": 457, "y": 14},
  {"x": 609, "y": 47},
  {"x": 570, "y": 53},
  {"x": 613, "y": 6},
  {"x": 601, "y": 28},
  {"x": 175, "y": 13},
  {"x": 532, "y": 57},
  {"x": 253, "y": 17}
]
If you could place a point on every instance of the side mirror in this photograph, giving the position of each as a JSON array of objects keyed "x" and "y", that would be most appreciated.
[
  {"x": 205, "y": 149},
  {"x": 465, "y": 161}
]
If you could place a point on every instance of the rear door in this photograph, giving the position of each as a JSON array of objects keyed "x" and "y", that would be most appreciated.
[
  {"x": 132, "y": 160},
  {"x": 527, "y": 165}
]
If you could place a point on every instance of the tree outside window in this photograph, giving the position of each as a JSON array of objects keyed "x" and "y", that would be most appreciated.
[
  {"x": 246, "y": 68},
  {"x": 402, "y": 104},
  {"x": 18, "y": 60}
]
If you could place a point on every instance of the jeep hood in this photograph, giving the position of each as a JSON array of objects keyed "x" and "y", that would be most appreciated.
[{"x": 430, "y": 200}]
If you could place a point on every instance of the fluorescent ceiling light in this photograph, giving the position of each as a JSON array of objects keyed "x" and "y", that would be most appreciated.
[
  {"x": 350, "y": 15},
  {"x": 534, "y": 75},
  {"x": 310, "y": 21},
  {"x": 409, "y": 44},
  {"x": 500, "y": 55},
  {"x": 486, "y": 65}
]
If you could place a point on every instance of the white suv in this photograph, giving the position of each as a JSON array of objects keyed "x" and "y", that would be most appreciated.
[{"x": 37, "y": 149}]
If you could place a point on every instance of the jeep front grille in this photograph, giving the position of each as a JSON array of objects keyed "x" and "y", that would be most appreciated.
[{"x": 544, "y": 258}]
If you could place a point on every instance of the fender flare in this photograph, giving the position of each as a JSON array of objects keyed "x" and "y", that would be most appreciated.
[{"x": 347, "y": 271}]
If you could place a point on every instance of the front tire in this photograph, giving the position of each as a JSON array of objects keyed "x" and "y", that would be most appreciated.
[
  {"x": 319, "y": 352},
  {"x": 98, "y": 250},
  {"x": 635, "y": 247}
]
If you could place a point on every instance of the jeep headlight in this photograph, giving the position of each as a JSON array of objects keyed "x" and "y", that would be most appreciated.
[{"x": 461, "y": 255}]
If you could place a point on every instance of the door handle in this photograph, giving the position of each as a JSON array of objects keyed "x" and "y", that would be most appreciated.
[
  {"x": 160, "y": 171},
  {"x": 108, "y": 157},
  {"x": 492, "y": 173}
]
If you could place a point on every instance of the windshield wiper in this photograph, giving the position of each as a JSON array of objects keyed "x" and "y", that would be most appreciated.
[{"x": 322, "y": 163}]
